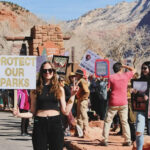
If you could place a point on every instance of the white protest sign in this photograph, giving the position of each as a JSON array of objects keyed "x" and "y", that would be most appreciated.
[
  {"x": 88, "y": 61},
  {"x": 17, "y": 72},
  {"x": 140, "y": 86},
  {"x": 39, "y": 61}
]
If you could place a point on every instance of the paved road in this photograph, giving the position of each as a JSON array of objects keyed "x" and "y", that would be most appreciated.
[{"x": 10, "y": 137}]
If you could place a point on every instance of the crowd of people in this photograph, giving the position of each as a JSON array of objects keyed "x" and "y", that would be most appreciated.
[
  {"x": 63, "y": 106},
  {"x": 6, "y": 99}
]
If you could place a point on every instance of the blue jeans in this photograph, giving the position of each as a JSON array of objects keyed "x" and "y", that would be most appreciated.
[{"x": 140, "y": 125}]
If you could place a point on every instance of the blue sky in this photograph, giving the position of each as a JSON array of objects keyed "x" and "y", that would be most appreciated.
[{"x": 63, "y": 9}]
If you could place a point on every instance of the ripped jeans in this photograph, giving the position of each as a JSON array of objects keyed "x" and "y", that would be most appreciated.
[{"x": 140, "y": 125}]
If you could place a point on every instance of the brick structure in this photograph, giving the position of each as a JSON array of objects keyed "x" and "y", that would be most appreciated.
[{"x": 46, "y": 36}]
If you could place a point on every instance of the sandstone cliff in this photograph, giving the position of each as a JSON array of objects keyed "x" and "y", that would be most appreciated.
[
  {"x": 88, "y": 30},
  {"x": 15, "y": 21}
]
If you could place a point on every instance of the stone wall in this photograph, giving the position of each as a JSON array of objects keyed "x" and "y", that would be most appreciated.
[
  {"x": 42, "y": 34},
  {"x": 16, "y": 49}
]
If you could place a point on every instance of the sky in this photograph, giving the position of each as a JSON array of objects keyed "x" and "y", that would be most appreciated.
[{"x": 63, "y": 9}]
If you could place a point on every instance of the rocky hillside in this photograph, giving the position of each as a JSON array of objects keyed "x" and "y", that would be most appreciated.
[
  {"x": 87, "y": 32},
  {"x": 92, "y": 26},
  {"x": 15, "y": 21},
  {"x": 145, "y": 21}
]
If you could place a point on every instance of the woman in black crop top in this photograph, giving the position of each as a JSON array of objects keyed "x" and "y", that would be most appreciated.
[{"x": 46, "y": 103}]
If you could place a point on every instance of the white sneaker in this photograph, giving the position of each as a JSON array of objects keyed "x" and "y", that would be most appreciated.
[{"x": 79, "y": 131}]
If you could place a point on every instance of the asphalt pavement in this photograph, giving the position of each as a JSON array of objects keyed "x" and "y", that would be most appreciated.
[{"x": 10, "y": 134}]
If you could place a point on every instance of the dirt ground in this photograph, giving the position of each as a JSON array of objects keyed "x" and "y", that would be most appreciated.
[{"x": 94, "y": 137}]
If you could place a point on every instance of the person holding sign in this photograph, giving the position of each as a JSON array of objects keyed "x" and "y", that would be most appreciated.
[
  {"x": 118, "y": 101},
  {"x": 24, "y": 106},
  {"x": 46, "y": 103},
  {"x": 142, "y": 116}
]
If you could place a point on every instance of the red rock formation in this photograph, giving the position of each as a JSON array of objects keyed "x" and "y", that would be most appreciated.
[
  {"x": 6, "y": 15},
  {"x": 92, "y": 139}
]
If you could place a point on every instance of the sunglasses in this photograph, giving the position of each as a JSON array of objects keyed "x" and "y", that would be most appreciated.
[
  {"x": 48, "y": 70},
  {"x": 62, "y": 80},
  {"x": 144, "y": 68}
]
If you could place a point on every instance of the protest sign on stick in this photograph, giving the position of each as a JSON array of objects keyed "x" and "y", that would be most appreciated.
[
  {"x": 88, "y": 61},
  {"x": 17, "y": 72},
  {"x": 102, "y": 68},
  {"x": 60, "y": 63}
]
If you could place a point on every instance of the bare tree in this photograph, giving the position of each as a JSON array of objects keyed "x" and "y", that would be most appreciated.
[
  {"x": 140, "y": 45},
  {"x": 134, "y": 44},
  {"x": 91, "y": 41}
]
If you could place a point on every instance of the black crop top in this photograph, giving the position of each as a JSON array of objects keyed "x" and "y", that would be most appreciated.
[{"x": 46, "y": 100}]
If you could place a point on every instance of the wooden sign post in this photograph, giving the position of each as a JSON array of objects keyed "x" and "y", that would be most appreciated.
[
  {"x": 15, "y": 99},
  {"x": 72, "y": 54}
]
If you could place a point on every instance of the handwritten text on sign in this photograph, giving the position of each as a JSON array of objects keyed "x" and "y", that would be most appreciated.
[{"x": 17, "y": 72}]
